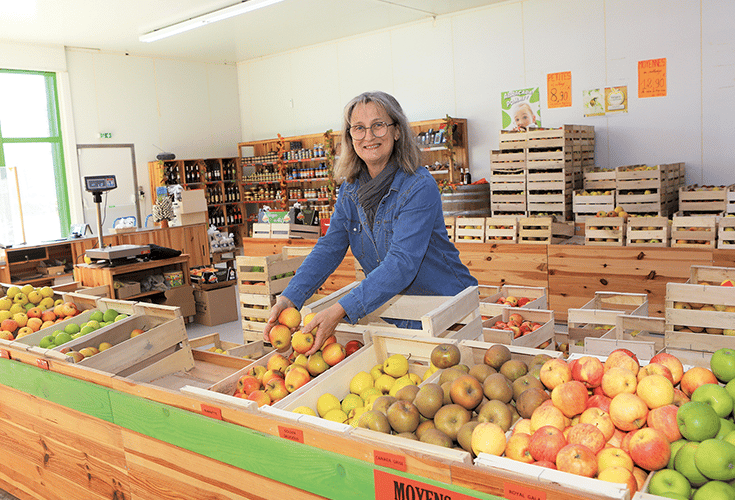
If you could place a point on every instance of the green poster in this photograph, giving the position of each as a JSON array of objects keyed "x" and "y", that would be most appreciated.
[{"x": 521, "y": 109}]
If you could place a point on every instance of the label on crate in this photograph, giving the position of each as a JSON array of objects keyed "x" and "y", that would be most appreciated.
[
  {"x": 42, "y": 363},
  {"x": 397, "y": 462},
  {"x": 4, "y": 353},
  {"x": 291, "y": 434},
  {"x": 391, "y": 487},
  {"x": 211, "y": 411},
  {"x": 513, "y": 491}
]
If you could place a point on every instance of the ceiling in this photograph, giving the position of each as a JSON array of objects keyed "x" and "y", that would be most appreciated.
[{"x": 114, "y": 26}]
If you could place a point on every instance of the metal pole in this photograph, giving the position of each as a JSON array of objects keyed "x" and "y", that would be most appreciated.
[
  {"x": 20, "y": 205},
  {"x": 98, "y": 202}
]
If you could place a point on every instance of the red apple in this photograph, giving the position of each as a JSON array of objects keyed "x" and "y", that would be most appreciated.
[
  {"x": 600, "y": 419},
  {"x": 621, "y": 359},
  {"x": 672, "y": 363},
  {"x": 618, "y": 380},
  {"x": 259, "y": 397},
  {"x": 599, "y": 401},
  {"x": 577, "y": 459},
  {"x": 276, "y": 389},
  {"x": 277, "y": 362},
  {"x": 297, "y": 376},
  {"x": 545, "y": 463},
  {"x": 664, "y": 419},
  {"x": 247, "y": 384},
  {"x": 650, "y": 449},
  {"x": 570, "y": 397},
  {"x": 280, "y": 338},
  {"x": 588, "y": 435},
  {"x": 352, "y": 346},
  {"x": 517, "y": 447},
  {"x": 545, "y": 443},
  {"x": 655, "y": 369},
  {"x": 588, "y": 370},
  {"x": 548, "y": 414},
  {"x": 333, "y": 353},
  {"x": 628, "y": 411},
  {"x": 555, "y": 372},
  {"x": 694, "y": 377}
]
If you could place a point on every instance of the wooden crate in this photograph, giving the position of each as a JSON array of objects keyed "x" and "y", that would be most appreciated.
[
  {"x": 730, "y": 209},
  {"x": 644, "y": 336},
  {"x": 587, "y": 203},
  {"x": 509, "y": 157},
  {"x": 207, "y": 345},
  {"x": 648, "y": 231},
  {"x": 599, "y": 315},
  {"x": 701, "y": 200},
  {"x": 532, "y": 339},
  {"x": 598, "y": 179},
  {"x": 512, "y": 140},
  {"x": 470, "y": 229},
  {"x": 489, "y": 305},
  {"x": 695, "y": 231},
  {"x": 640, "y": 189},
  {"x": 254, "y": 312},
  {"x": 604, "y": 231},
  {"x": 451, "y": 224},
  {"x": 457, "y": 316},
  {"x": 284, "y": 230},
  {"x": 710, "y": 275},
  {"x": 700, "y": 327},
  {"x": 267, "y": 275},
  {"x": 507, "y": 189},
  {"x": 544, "y": 230},
  {"x": 501, "y": 229},
  {"x": 726, "y": 232}
]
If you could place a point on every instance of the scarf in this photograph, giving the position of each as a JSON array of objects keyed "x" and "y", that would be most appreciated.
[{"x": 372, "y": 190}]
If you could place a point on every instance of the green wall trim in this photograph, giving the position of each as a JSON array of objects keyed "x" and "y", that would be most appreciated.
[{"x": 318, "y": 471}]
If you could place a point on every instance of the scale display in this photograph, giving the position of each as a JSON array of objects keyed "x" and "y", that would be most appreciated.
[{"x": 98, "y": 183}]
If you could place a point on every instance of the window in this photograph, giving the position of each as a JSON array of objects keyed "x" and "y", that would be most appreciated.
[{"x": 34, "y": 200}]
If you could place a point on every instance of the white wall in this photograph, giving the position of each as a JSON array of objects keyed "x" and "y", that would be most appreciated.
[
  {"x": 189, "y": 109},
  {"x": 459, "y": 65}
]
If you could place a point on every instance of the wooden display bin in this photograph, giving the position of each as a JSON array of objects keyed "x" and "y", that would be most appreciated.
[
  {"x": 265, "y": 275},
  {"x": 726, "y": 232},
  {"x": 696, "y": 200},
  {"x": 598, "y": 179},
  {"x": 730, "y": 209},
  {"x": 534, "y": 339},
  {"x": 501, "y": 229},
  {"x": 699, "y": 327},
  {"x": 644, "y": 336},
  {"x": 508, "y": 185},
  {"x": 710, "y": 275},
  {"x": 586, "y": 204},
  {"x": 208, "y": 344},
  {"x": 489, "y": 305},
  {"x": 604, "y": 231},
  {"x": 455, "y": 316},
  {"x": 255, "y": 309},
  {"x": 544, "y": 231},
  {"x": 696, "y": 231},
  {"x": 512, "y": 140},
  {"x": 451, "y": 225},
  {"x": 599, "y": 315},
  {"x": 648, "y": 231},
  {"x": 641, "y": 189},
  {"x": 470, "y": 229}
]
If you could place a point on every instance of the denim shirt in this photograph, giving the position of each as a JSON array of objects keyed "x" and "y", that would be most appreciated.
[{"x": 407, "y": 251}]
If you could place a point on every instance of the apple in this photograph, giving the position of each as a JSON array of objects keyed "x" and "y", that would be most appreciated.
[
  {"x": 588, "y": 435},
  {"x": 333, "y": 353},
  {"x": 270, "y": 375},
  {"x": 672, "y": 363},
  {"x": 599, "y": 401},
  {"x": 694, "y": 377},
  {"x": 622, "y": 358},
  {"x": 684, "y": 464},
  {"x": 316, "y": 364},
  {"x": 276, "y": 389},
  {"x": 524, "y": 425},
  {"x": 655, "y": 369},
  {"x": 301, "y": 342},
  {"x": 663, "y": 418},
  {"x": 619, "y": 475},
  {"x": 656, "y": 391},
  {"x": 403, "y": 416},
  {"x": 280, "y": 338},
  {"x": 497, "y": 412},
  {"x": 259, "y": 397},
  {"x": 618, "y": 380},
  {"x": 488, "y": 437},
  {"x": 296, "y": 377},
  {"x": 546, "y": 442},
  {"x": 445, "y": 355},
  {"x": 715, "y": 459},
  {"x": 450, "y": 418},
  {"x": 577, "y": 459},
  {"x": 555, "y": 372},
  {"x": 716, "y": 396},
  {"x": 628, "y": 411},
  {"x": 352, "y": 346},
  {"x": 588, "y": 370},
  {"x": 600, "y": 419},
  {"x": 517, "y": 447},
  {"x": 247, "y": 384},
  {"x": 257, "y": 371},
  {"x": 697, "y": 421},
  {"x": 714, "y": 490},
  {"x": 570, "y": 397},
  {"x": 649, "y": 448},
  {"x": 290, "y": 317},
  {"x": 548, "y": 414},
  {"x": 675, "y": 446},
  {"x": 722, "y": 364},
  {"x": 613, "y": 457},
  {"x": 466, "y": 391}
]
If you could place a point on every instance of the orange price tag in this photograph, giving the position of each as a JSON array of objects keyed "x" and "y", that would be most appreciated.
[
  {"x": 397, "y": 462},
  {"x": 292, "y": 434},
  {"x": 391, "y": 487},
  {"x": 42, "y": 363},
  {"x": 4, "y": 353},
  {"x": 559, "y": 90},
  {"x": 211, "y": 411},
  {"x": 513, "y": 491},
  {"x": 652, "y": 78}
]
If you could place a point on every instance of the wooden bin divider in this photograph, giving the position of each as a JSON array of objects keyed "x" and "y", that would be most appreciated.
[
  {"x": 450, "y": 222},
  {"x": 642, "y": 335}
]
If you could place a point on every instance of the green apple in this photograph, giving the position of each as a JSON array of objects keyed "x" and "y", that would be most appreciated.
[
  {"x": 715, "y": 459},
  {"x": 673, "y": 496},
  {"x": 697, "y": 421},
  {"x": 730, "y": 388},
  {"x": 667, "y": 480},
  {"x": 684, "y": 463},
  {"x": 716, "y": 396},
  {"x": 722, "y": 364},
  {"x": 714, "y": 490},
  {"x": 674, "y": 448},
  {"x": 726, "y": 427}
]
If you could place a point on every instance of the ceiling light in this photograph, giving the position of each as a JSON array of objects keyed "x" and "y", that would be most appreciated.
[{"x": 212, "y": 17}]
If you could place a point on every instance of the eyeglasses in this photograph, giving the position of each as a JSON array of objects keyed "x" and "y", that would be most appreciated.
[{"x": 379, "y": 129}]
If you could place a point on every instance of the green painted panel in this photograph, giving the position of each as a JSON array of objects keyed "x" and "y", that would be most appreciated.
[{"x": 90, "y": 399}]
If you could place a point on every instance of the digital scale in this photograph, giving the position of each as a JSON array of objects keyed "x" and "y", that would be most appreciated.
[{"x": 117, "y": 254}]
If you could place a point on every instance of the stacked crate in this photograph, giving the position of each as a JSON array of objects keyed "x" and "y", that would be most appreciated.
[
  {"x": 502, "y": 229},
  {"x": 550, "y": 170},
  {"x": 693, "y": 231},
  {"x": 508, "y": 175},
  {"x": 675, "y": 179},
  {"x": 641, "y": 189},
  {"x": 648, "y": 231},
  {"x": 605, "y": 231},
  {"x": 726, "y": 232},
  {"x": 260, "y": 280},
  {"x": 730, "y": 209},
  {"x": 591, "y": 203},
  {"x": 702, "y": 200},
  {"x": 470, "y": 229},
  {"x": 544, "y": 230}
]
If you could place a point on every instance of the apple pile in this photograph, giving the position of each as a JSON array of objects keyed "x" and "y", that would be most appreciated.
[
  {"x": 27, "y": 309},
  {"x": 518, "y": 325},
  {"x": 371, "y": 397},
  {"x": 513, "y": 301},
  {"x": 702, "y": 462},
  {"x": 495, "y": 237},
  {"x": 706, "y": 307}
]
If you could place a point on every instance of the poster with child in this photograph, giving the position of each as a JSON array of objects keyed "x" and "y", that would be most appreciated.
[{"x": 521, "y": 109}]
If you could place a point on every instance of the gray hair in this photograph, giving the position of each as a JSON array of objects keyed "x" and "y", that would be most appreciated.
[{"x": 405, "y": 151}]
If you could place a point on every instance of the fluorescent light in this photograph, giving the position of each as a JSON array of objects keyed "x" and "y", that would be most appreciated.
[{"x": 212, "y": 17}]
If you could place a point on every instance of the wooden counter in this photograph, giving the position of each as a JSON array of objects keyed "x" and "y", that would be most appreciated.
[{"x": 571, "y": 273}]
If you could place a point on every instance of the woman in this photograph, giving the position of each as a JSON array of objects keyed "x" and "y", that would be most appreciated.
[{"x": 389, "y": 213}]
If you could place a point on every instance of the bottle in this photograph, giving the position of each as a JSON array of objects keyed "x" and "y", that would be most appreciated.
[{"x": 467, "y": 178}]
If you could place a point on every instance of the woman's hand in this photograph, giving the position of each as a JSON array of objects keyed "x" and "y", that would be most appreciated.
[
  {"x": 325, "y": 322},
  {"x": 281, "y": 304}
]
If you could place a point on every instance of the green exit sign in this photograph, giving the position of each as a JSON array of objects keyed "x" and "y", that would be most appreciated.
[{"x": 105, "y": 135}]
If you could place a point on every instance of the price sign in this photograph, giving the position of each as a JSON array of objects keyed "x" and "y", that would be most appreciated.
[
  {"x": 559, "y": 90},
  {"x": 391, "y": 460},
  {"x": 296, "y": 435},
  {"x": 211, "y": 411},
  {"x": 392, "y": 487},
  {"x": 652, "y": 78}
]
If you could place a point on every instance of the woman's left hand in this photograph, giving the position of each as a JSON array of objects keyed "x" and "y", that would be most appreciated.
[{"x": 326, "y": 322}]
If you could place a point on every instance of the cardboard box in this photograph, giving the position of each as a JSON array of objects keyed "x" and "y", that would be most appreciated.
[
  {"x": 189, "y": 219},
  {"x": 128, "y": 289},
  {"x": 214, "y": 307},
  {"x": 182, "y": 297},
  {"x": 192, "y": 201}
]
